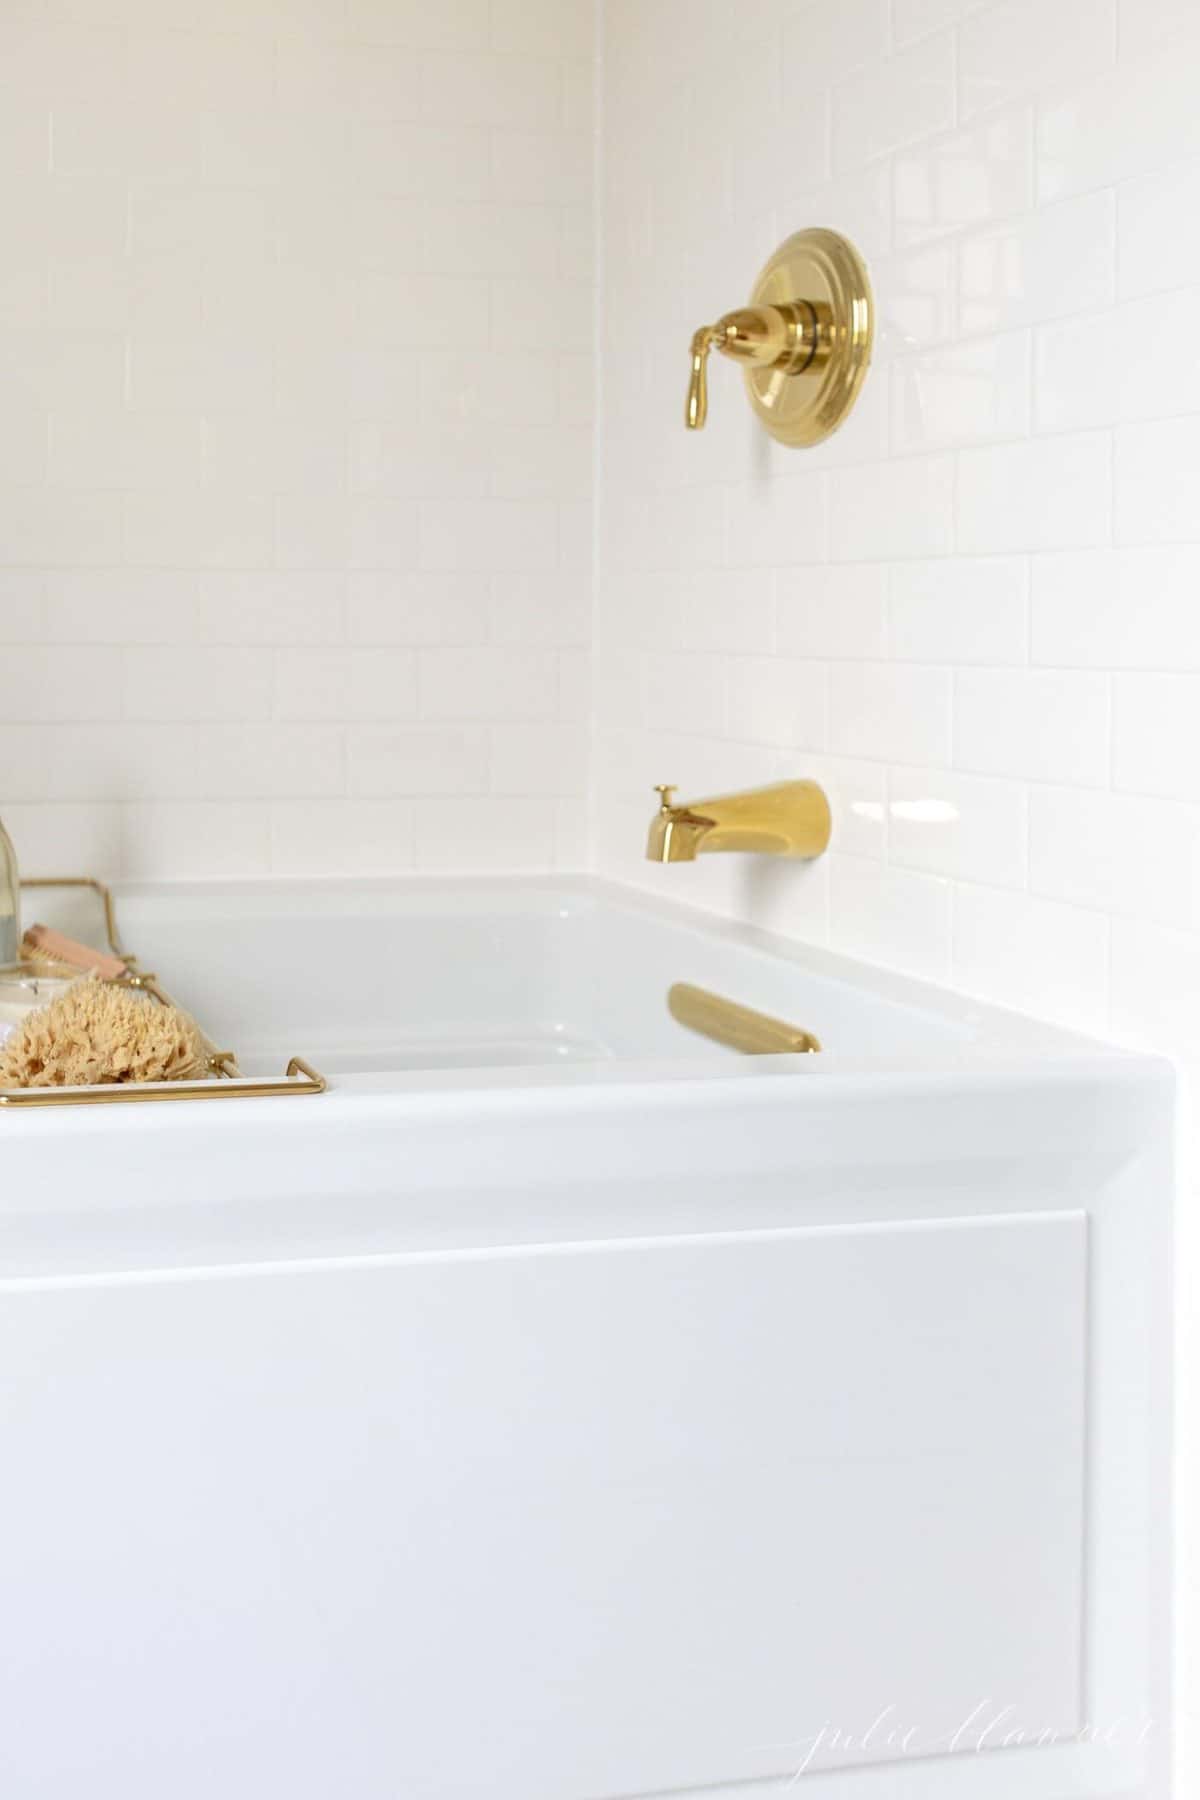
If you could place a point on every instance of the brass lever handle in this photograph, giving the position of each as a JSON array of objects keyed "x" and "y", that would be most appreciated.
[
  {"x": 783, "y": 337},
  {"x": 697, "y": 400}
]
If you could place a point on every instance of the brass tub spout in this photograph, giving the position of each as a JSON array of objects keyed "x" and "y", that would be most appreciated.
[{"x": 791, "y": 818}]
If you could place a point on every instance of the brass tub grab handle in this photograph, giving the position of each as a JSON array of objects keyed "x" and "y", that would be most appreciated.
[{"x": 737, "y": 1027}]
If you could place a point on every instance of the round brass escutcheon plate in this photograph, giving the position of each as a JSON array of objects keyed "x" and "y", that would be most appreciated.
[{"x": 820, "y": 269}]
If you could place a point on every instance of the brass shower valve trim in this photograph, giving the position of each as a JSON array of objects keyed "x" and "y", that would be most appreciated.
[{"x": 804, "y": 341}]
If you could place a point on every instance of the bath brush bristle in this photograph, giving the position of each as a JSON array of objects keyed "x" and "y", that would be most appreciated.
[{"x": 96, "y": 1034}]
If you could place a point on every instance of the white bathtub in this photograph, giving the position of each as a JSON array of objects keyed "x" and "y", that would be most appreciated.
[{"x": 564, "y": 1407}]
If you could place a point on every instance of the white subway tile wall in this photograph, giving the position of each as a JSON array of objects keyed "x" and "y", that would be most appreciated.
[
  {"x": 296, "y": 459},
  {"x": 296, "y": 343},
  {"x": 974, "y": 614}
]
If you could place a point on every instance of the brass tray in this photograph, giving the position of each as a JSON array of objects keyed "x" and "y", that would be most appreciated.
[{"x": 224, "y": 1081}]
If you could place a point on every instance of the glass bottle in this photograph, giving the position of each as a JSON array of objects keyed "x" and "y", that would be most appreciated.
[{"x": 10, "y": 900}]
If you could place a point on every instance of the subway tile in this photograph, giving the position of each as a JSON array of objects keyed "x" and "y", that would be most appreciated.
[
  {"x": 580, "y": 77},
  {"x": 1157, "y": 735},
  {"x": 837, "y": 39},
  {"x": 894, "y": 103},
  {"x": 355, "y": 837},
  {"x": 196, "y": 683},
  {"x": 892, "y": 509},
  {"x": 1043, "y": 725},
  {"x": 777, "y": 700},
  {"x": 837, "y": 613},
  {"x": 967, "y": 178},
  {"x": 125, "y": 450},
  {"x": 24, "y": 445},
  {"x": 1155, "y": 971},
  {"x": 1047, "y": 959},
  {"x": 499, "y": 832},
  {"x": 549, "y": 168},
  {"x": 65, "y": 684},
  {"x": 1157, "y": 471},
  {"x": 190, "y": 762},
  {"x": 487, "y": 684},
  {"x": 345, "y": 685},
  {"x": 122, "y": 606},
  {"x": 174, "y": 218},
  {"x": 1145, "y": 375},
  {"x": 364, "y": 80},
  {"x": 60, "y": 837},
  {"x": 394, "y": 607},
  {"x": 49, "y": 370},
  {"x": 917, "y": 18},
  {"x": 963, "y": 609},
  {"x": 385, "y": 533},
  {"x": 109, "y": 136},
  {"x": 272, "y": 455},
  {"x": 965, "y": 394},
  {"x": 394, "y": 157},
  {"x": 488, "y": 535},
  {"x": 730, "y": 609},
  {"x": 770, "y": 523},
  {"x": 540, "y": 759},
  {"x": 405, "y": 458},
  {"x": 522, "y": 92},
  {"x": 540, "y": 462},
  {"x": 538, "y": 611},
  {"x": 644, "y": 611},
  {"x": 196, "y": 375},
  {"x": 194, "y": 66},
  {"x": 860, "y": 202},
  {"x": 261, "y": 607},
  {"x": 198, "y": 530},
  {"x": 1126, "y": 123},
  {"x": 886, "y": 712},
  {"x": 1146, "y": 23},
  {"x": 1153, "y": 255},
  {"x": 574, "y": 686},
  {"x": 383, "y": 761},
  {"x": 686, "y": 693},
  {"x": 1054, "y": 263},
  {"x": 572, "y": 836},
  {"x": 890, "y": 916},
  {"x": 196, "y": 840},
  {"x": 24, "y": 289},
  {"x": 1116, "y": 852},
  {"x": 543, "y": 27},
  {"x": 1012, "y": 51},
  {"x": 957, "y": 825},
  {"x": 1122, "y": 609},
  {"x": 1050, "y": 493},
  {"x": 525, "y": 310},
  {"x": 49, "y": 526},
  {"x": 25, "y": 615},
  {"x": 452, "y": 25},
  {"x": 150, "y": 295},
  {"x": 519, "y": 388},
  {"x": 915, "y": 292}
]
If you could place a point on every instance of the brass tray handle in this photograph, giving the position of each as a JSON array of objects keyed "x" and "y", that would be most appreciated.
[
  {"x": 300, "y": 1079},
  {"x": 737, "y": 1027}
]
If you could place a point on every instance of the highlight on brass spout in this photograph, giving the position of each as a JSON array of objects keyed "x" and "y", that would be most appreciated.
[{"x": 789, "y": 818}]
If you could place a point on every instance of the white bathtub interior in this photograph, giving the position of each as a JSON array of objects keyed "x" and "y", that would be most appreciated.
[{"x": 420, "y": 975}]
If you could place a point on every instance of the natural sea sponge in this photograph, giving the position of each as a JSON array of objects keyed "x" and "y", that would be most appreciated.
[{"x": 96, "y": 1034}]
